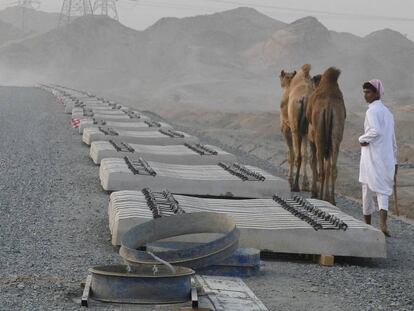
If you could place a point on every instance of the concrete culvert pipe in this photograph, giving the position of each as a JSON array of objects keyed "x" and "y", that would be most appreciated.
[
  {"x": 203, "y": 255},
  {"x": 140, "y": 284}
]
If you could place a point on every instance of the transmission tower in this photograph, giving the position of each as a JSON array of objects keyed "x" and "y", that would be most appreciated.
[
  {"x": 74, "y": 8},
  {"x": 24, "y": 5},
  {"x": 106, "y": 7},
  {"x": 30, "y": 4}
]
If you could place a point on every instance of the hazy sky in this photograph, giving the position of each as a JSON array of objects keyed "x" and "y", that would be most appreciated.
[{"x": 355, "y": 16}]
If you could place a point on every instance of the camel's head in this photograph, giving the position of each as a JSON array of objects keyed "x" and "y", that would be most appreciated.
[
  {"x": 286, "y": 77},
  {"x": 305, "y": 70},
  {"x": 315, "y": 81}
]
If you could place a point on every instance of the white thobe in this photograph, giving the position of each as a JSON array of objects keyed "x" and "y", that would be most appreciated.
[{"x": 378, "y": 159}]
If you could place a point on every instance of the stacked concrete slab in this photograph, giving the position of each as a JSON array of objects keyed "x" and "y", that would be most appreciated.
[
  {"x": 93, "y": 107},
  {"x": 77, "y": 101},
  {"x": 174, "y": 154},
  {"x": 133, "y": 116},
  {"x": 70, "y": 102},
  {"x": 141, "y": 125},
  {"x": 158, "y": 137},
  {"x": 103, "y": 109},
  {"x": 79, "y": 112},
  {"x": 263, "y": 224},
  {"x": 116, "y": 174},
  {"x": 135, "y": 155}
]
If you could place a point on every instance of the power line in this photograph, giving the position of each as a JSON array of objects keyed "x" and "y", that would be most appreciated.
[
  {"x": 318, "y": 12},
  {"x": 342, "y": 15},
  {"x": 280, "y": 9},
  {"x": 169, "y": 5}
]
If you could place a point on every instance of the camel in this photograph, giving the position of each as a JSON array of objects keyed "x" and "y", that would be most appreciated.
[
  {"x": 285, "y": 78},
  {"x": 296, "y": 91},
  {"x": 315, "y": 81},
  {"x": 326, "y": 115}
]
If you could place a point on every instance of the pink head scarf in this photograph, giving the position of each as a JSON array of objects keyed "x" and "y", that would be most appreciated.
[{"x": 378, "y": 86}]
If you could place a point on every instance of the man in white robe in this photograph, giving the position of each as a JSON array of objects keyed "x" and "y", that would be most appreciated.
[{"x": 378, "y": 154}]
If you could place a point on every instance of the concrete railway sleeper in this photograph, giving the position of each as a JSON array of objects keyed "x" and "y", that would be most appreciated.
[
  {"x": 121, "y": 146},
  {"x": 152, "y": 123},
  {"x": 242, "y": 172},
  {"x": 88, "y": 112},
  {"x": 139, "y": 166},
  {"x": 171, "y": 133},
  {"x": 162, "y": 203},
  {"x": 318, "y": 219},
  {"x": 201, "y": 149},
  {"x": 108, "y": 131},
  {"x": 98, "y": 122},
  {"x": 133, "y": 115}
]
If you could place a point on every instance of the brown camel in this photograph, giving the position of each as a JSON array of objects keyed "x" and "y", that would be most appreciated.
[
  {"x": 326, "y": 114},
  {"x": 315, "y": 81},
  {"x": 299, "y": 91},
  {"x": 285, "y": 79}
]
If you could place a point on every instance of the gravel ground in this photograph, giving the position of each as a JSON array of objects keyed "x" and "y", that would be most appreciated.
[{"x": 53, "y": 226}]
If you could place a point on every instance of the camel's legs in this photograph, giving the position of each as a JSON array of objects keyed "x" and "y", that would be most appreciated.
[
  {"x": 314, "y": 164},
  {"x": 305, "y": 180},
  {"x": 321, "y": 169},
  {"x": 328, "y": 174},
  {"x": 297, "y": 142},
  {"x": 288, "y": 137},
  {"x": 334, "y": 173}
]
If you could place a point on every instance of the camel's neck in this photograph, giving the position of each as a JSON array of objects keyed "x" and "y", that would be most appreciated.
[
  {"x": 285, "y": 97},
  {"x": 285, "y": 92},
  {"x": 301, "y": 76}
]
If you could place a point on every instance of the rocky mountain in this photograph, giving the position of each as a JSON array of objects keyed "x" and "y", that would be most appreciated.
[
  {"x": 304, "y": 39},
  {"x": 232, "y": 30},
  {"x": 35, "y": 22},
  {"x": 384, "y": 54},
  {"x": 394, "y": 55},
  {"x": 228, "y": 60},
  {"x": 197, "y": 58},
  {"x": 97, "y": 51},
  {"x": 9, "y": 32}
]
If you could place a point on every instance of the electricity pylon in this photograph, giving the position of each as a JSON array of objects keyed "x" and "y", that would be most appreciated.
[
  {"x": 74, "y": 8},
  {"x": 30, "y": 4},
  {"x": 27, "y": 4},
  {"x": 106, "y": 7}
]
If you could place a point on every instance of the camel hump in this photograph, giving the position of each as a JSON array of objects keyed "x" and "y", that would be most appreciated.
[
  {"x": 306, "y": 68},
  {"x": 331, "y": 74}
]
